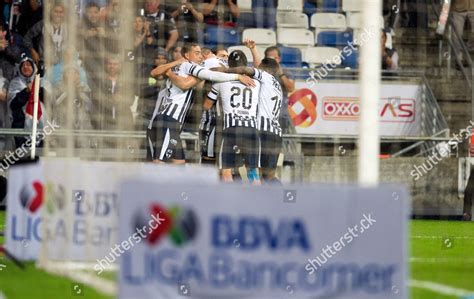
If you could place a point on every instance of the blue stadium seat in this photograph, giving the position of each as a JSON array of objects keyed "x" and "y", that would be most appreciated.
[
  {"x": 222, "y": 36},
  {"x": 309, "y": 9},
  {"x": 245, "y": 20},
  {"x": 352, "y": 60},
  {"x": 331, "y": 6},
  {"x": 290, "y": 57},
  {"x": 334, "y": 38}
]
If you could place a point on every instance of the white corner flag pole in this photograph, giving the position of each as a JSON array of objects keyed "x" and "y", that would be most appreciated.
[
  {"x": 35, "y": 116},
  {"x": 370, "y": 68}
]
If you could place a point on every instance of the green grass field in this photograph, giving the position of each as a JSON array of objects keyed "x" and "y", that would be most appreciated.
[{"x": 441, "y": 267}]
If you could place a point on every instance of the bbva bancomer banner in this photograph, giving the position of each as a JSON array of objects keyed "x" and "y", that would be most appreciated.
[
  {"x": 263, "y": 242},
  {"x": 334, "y": 108},
  {"x": 71, "y": 206}
]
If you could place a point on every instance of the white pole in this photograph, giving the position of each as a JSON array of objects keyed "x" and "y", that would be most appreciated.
[
  {"x": 370, "y": 66},
  {"x": 35, "y": 116},
  {"x": 11, "y": 18}
]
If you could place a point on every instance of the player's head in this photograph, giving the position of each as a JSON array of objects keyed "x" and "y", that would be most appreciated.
[
  {"x": 269, "y": 65},
  {"x": 273, "y": 52},
  {"x": 221, "y": 53},
  {"x": 206, "y": 53},
  {"x": 237, "y": 58},
  {"x": 192, "y": 52}
]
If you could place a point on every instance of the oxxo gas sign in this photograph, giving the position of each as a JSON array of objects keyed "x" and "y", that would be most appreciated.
[
  {"x": 251, "y": 243},
  {"x": 334, "y": 108}
]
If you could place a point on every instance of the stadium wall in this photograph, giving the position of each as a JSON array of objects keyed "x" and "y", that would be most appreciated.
[{"x": 434, "y": 193}]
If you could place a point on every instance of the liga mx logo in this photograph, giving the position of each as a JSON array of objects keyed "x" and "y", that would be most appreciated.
[
  {"x": 179, "y": 224},
  {"x": 31, "y": 196},
  {"x": 306, "y": 116}
]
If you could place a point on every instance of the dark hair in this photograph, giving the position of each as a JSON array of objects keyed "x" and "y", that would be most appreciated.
[
  {"x": 92, "y": 4},
  {"x": 272, "y": 48},
  {"x": 269, "y": 65},
  {"x": 237, "y": 58},
  {"x": 187, "y": 48},
  {"x": 217, "y": 49},
  {"x": 206, "y": 50}
]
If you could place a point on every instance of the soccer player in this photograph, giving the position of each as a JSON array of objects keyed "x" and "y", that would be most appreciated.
[
  {"x": 240, "y": 142},
  {"x": 208, "y": 123},
  {"x": 164, "y": 142},
  {"x": 271, "y": 98}
]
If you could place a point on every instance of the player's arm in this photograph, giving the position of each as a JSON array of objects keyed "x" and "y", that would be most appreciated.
[
  {"x": 211, "y": 98},
  {"x": 219, "y": 77},
  {"x": 162, "y": 69},
  {"x": 184, "y": 83},
  {"x": 208, "y": 104},
  {"x": 243, "y": 70},
  {"x": 249, "y": 43}
]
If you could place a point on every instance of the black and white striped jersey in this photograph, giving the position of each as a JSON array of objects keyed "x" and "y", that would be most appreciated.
[
  {"x": 271, "y": 98},
  {"x": 161, "y": 96},
  {"x": 208, "y": 118},
  {"x": 177, "y": 103},
  {"x": 239, "y": 103}
]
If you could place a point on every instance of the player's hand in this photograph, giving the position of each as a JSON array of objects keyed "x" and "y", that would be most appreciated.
[
  {"x": 246, "y": 80},
  {"x": 249, "y": 43}
]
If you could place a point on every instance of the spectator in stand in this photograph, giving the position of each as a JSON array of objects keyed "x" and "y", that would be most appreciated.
[
  {"x": 92, "y": 43},
  {"x": 111, "y": 110},
  {"x": 110, "y": 16},
  {"x": 463, "y": 11},
  {"x": 154, "y": 85},
  {"x": 54, "y": 74},
  {"x": 143, "y": 49},
  {"x": 9, "y": 55},
  {"x": 5, "y": 121},
  {"x": 55, "y": 34},
  {"x": 162, "y": 25},
  {"x": 82, "y": 104},
  {"x": 20, "y": 98},
  {"x": 85, "y": 3},
  {"x": 30, "y": 12},
  {"x": 389, "y": 55},
  {"x": 175, "y": 53},
  {"x": 189, "y": 20},
  {"x": 264, "y": 13},
  {"x": 221, "y": 13}
]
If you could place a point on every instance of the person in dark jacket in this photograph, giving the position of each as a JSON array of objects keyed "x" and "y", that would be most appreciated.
[
  {"x": 54, "y": 33},
  {"x": 9, "y": 55},
  {"x": 20, "y": 93}
]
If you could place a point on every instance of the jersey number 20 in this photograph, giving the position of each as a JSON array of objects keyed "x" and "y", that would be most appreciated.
[{"x": 246, "y": 97}]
